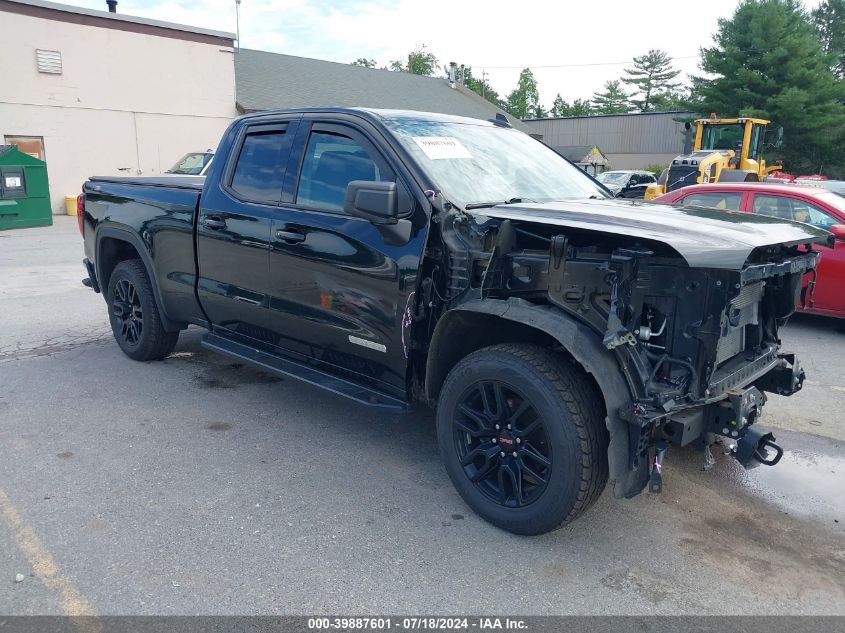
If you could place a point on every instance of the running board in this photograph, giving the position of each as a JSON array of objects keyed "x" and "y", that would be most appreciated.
[{"x": 273, "y": 364}]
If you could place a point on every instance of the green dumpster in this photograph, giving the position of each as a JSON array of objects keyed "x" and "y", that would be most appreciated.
[{"x": 24, "y": 192}]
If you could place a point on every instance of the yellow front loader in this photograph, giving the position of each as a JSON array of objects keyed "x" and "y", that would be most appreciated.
[{"x": 725, "y": 150}]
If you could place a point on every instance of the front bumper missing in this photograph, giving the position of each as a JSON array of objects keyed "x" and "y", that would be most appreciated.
[
  {"x": 734, "y": 416},
  {"x": 786, "y": 378}
]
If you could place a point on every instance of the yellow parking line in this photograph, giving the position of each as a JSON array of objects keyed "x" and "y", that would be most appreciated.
[{"x": 45, "y": 567}]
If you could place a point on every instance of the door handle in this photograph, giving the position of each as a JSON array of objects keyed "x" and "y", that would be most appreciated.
[
  {"x": 213, "y": 222},
  {"x": 292, "y": 237}
]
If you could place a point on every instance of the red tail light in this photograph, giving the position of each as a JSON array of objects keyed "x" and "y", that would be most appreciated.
[{"x": 80, "y": 209}]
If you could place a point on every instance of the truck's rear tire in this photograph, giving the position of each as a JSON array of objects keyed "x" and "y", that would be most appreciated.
[
  {"x": 134, "y": 316},
  {"x": 546, "y": 462}
]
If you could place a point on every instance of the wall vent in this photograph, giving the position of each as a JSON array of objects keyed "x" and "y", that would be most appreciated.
[{"x": 49, "y": 62}]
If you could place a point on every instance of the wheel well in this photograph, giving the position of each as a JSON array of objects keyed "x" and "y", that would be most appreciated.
[
  {"x": 111, "y": 252},
  {"x": 466, "y": 332}
]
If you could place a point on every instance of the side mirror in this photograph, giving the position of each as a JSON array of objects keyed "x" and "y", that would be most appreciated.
[
  {"x": 375, "y": 201},
  {"x": 838, "y": 231}
]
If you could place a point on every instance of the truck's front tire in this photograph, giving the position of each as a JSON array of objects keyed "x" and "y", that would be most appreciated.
[
  {"x": 134, "y": 316},
  {"x": 522, "y": 435}
]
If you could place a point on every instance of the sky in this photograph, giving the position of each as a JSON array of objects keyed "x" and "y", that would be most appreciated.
[{"x": 572, "y": 47}]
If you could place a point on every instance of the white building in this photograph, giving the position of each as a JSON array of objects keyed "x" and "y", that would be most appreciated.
[{"x": 94, "y": 92}]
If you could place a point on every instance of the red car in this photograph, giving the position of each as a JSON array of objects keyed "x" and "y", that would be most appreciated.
[{"x": 819, "y": 207}]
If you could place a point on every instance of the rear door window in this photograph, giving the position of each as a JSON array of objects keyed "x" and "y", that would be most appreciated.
[
  {"x": 260, "y": 169},
  {"x": 793, "y": 209},
  {"x": 720, "y": 200}
]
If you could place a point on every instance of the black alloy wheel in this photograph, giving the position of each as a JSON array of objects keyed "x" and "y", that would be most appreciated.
[
  {"x": 502, "y": 444},
  {"x": 126, "y": 306},
  {"x": 134, "y": 315},
  {"x": 522, "y": 434}
]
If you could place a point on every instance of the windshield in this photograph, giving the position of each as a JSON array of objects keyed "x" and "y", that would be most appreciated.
[
  {"x": 728, "y": 136},
  {"x": 191, "y": 164},
  {"x": 834, "y": 199},
  {"x": 479, "y": 163},
  {"x": 613, "y": 177}
]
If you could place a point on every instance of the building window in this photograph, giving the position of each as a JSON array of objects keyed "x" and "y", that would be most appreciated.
[
  {"x": 49, "y": 62},
  {"x": 32, "y": 145}
]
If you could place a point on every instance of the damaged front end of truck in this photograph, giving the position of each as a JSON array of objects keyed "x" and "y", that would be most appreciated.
[{"x": 674, "y": 312}]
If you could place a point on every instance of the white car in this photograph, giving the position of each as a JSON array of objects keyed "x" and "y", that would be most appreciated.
[{"x": 192, "y": 164}]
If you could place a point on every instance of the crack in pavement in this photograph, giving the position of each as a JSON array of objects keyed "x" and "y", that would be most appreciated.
[{"x": 53, "y": 345}]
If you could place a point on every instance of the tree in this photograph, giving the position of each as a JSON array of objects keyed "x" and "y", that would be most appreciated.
[
  {"x": 420, "y": 62},
  {"x": 363, "y": 61},
  {"x": 671, "y": 100},
  {"x": 579, "y": 107},
  {"x": 481, "y": 87},
  {"x": 523, "y": 100},
  {"x": 652, "y": 76},
  {"x": 829, "y": 18},
  {"x": 539, "y": 112},
  {"x": 614, "y": 100},
  {"x": 559, "y": 107},
  {"x": 768, "y": 62}
]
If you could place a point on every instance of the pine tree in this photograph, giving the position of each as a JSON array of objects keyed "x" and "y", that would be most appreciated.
[
  {"x": 614, "y": 100},
  {"x": 784, "y": 76},
  {"x": 523, "y": 100},
  {"x": 652, "y": 76},
  {"x": 829, "y": 18}
]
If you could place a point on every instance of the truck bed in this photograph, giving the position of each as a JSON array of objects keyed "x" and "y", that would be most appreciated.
[{"x": 156, "y": 214}]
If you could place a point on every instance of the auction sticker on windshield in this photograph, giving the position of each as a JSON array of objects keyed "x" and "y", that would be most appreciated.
[{"x": 440, "y": 147}]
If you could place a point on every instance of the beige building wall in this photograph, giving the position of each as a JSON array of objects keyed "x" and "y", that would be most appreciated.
[{"x": 126, "y": 103}]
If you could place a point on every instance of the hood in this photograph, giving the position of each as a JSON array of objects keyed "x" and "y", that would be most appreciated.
[{"x": 704, "y": 237}]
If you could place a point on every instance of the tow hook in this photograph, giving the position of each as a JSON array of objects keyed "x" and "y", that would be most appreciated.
[{"x": 757, "y": 446}]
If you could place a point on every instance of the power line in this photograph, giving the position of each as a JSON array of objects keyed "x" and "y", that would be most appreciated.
[{"x": 626, "y": 62}]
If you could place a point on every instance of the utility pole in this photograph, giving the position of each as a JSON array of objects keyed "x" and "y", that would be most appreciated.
[
  {"x": 238, "y": 23},
  {"x": 483, "y": 83}
]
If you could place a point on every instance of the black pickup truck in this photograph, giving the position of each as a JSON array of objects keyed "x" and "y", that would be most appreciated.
[{"x": 565, "y": 338}]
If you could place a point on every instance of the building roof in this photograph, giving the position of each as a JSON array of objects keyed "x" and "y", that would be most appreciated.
[
  {"x": 685, "y": 113},
  {"x": 267, "y": 81},
  {"x": 92, "y": 17},
  {"x": 582, "y": 153}
]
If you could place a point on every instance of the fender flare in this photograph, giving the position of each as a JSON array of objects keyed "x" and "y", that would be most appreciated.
[
  {"x": 131, "y": 237},
  {"x": 586, "y": 348}
]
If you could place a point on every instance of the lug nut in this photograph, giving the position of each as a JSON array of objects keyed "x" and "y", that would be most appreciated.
[
  {"x": 498, "y": 427},
  {"x": 502, "y": 453},
  {"x": 493, "y": 440},
  {"x": 514, "y": 453},
  {"x": 518, "y": 441},
  {"x": 509, "y": 427}
]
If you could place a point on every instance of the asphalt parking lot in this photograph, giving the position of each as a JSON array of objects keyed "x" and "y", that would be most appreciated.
[{"x": 198, "y": 486}]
